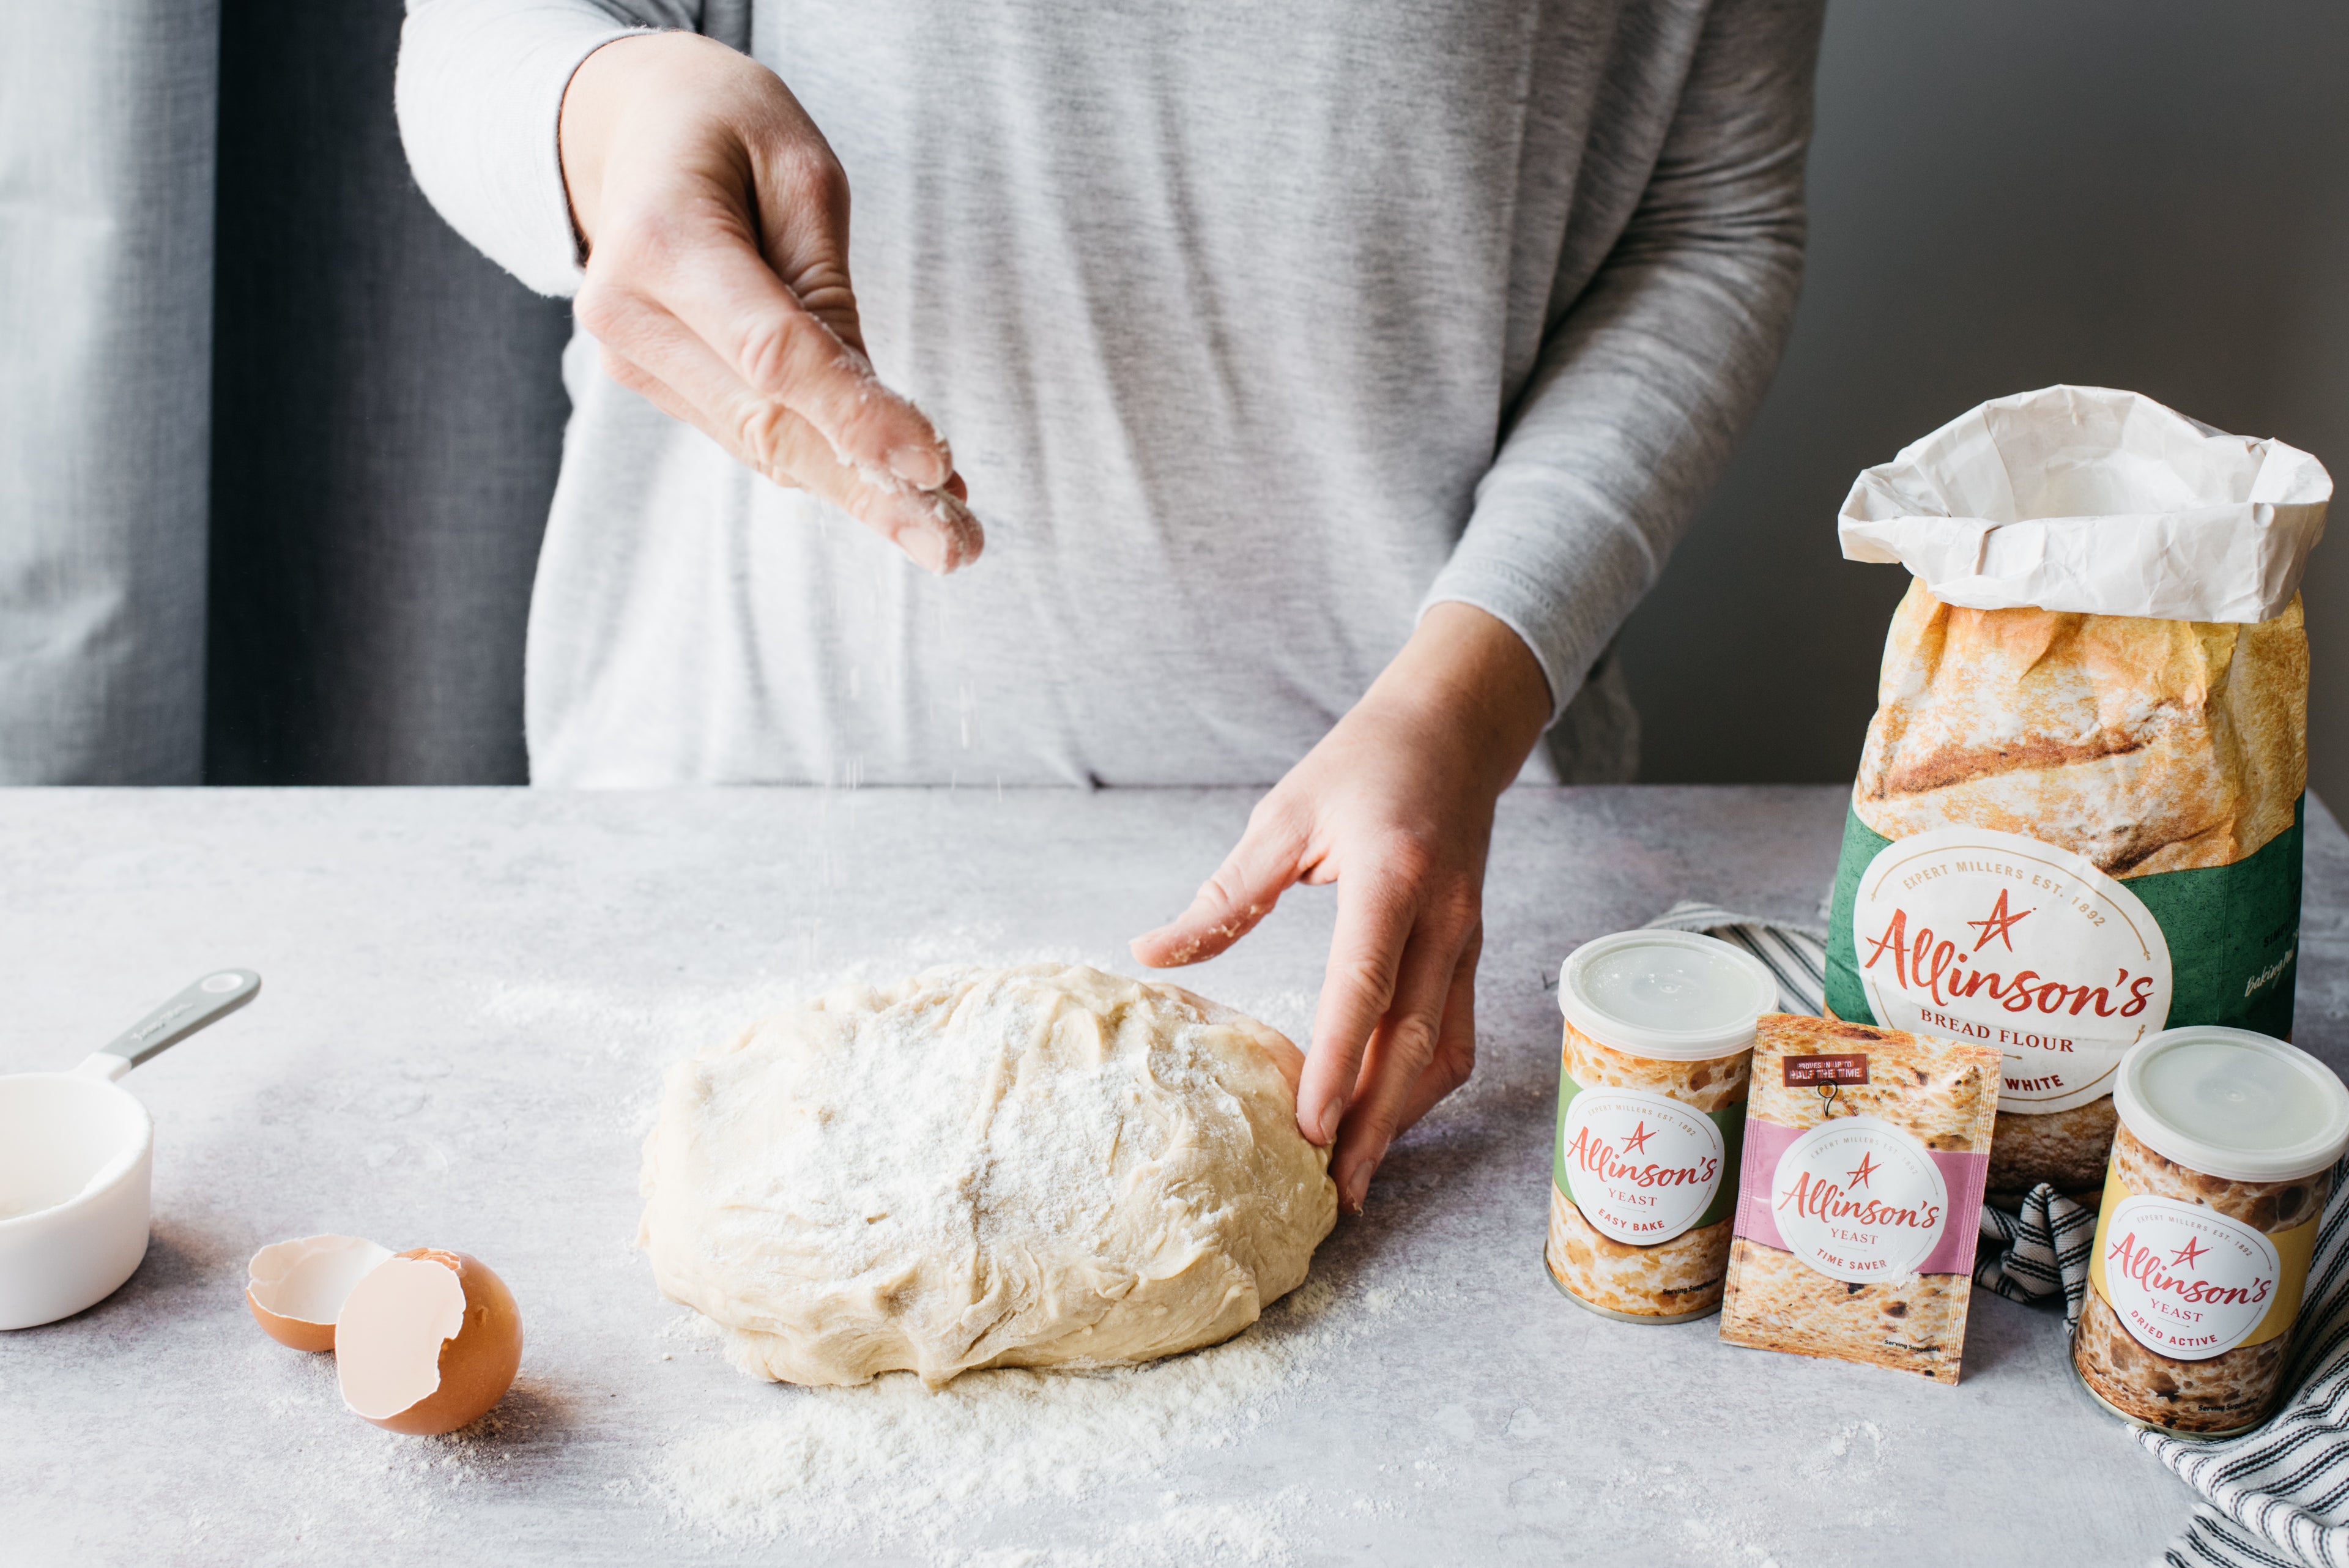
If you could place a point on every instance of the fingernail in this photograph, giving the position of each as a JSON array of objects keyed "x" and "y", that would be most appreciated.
[
  {"x": 1172, "y": 957},
  {"x": 1366, "y": 1165},
  {"x": 924, "y": 467},
  {"x": 966, "y": 537},
  {"x": 1333, "y": 1111},
  {"x": 928, "y": 549}
]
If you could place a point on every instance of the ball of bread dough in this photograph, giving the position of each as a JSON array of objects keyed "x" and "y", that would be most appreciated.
[{"x": 1038, "y": 1167}]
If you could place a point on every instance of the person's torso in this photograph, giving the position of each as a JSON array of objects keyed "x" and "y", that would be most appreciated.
[{"x": 1223, "y": 309}]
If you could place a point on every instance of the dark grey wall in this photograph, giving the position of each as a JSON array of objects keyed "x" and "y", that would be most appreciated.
[
  {"x": 388, "y": 413},
  {"x": 2006, "y": 194}
]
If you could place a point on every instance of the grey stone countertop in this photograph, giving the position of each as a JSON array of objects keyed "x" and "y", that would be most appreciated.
[{"x": 470, "y": 996}]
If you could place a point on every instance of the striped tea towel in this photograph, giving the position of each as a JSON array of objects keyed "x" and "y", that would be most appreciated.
[
  {"x": 2279, "y": 1496},
  {"x": 2274, "y": 1497}
]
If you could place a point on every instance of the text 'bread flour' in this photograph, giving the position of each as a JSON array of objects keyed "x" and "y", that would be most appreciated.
[{"x": 2077, "y": 816}]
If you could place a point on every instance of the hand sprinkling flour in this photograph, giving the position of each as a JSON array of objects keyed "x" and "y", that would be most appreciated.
[{"x": 717, "y": 224}]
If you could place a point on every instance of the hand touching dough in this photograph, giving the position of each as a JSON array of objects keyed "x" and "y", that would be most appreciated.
[{"x": 1037, "y": 1167}]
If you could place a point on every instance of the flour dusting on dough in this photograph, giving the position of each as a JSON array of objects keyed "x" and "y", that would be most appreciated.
[{"x": 1034, "y": 1167}]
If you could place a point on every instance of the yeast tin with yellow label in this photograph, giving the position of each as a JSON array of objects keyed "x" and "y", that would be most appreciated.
[{"x": 2220, "y": 1175}]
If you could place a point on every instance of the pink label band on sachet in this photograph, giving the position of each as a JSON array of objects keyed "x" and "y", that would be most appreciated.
[{"x": 1965, "y": 1175}]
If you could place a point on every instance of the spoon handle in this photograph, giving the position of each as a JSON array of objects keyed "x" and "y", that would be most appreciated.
[{"x": 207, "y": 1001}]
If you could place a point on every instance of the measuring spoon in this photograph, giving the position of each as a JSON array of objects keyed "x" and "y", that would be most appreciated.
[{"x": 76, "y": 1162}]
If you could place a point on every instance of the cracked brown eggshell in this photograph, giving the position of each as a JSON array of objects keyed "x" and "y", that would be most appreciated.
[
  {"x": 428, "y": 1341},
  {"x": 296, "y": 1289}
]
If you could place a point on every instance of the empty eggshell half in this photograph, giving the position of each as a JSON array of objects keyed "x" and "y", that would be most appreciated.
[
  {"x": 296, "y": 1289},
  {"x": 428, "y": 1341}
]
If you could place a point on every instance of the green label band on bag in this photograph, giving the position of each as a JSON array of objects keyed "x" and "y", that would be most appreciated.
[
  {"x": 1970, "y": 933},
  {"x": 1644, "y": 1168}
]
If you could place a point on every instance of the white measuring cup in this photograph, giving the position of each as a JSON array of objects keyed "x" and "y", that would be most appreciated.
[{"x": 76, "y": 1158}]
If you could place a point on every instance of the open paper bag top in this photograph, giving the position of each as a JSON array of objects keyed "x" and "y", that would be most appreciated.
[{"x": 2089, "y": 500}]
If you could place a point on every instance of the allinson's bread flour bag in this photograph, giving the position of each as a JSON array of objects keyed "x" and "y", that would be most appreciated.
[
  {"x": 1859, "y": 1194},
  {"x": 2076, "y": 821}
]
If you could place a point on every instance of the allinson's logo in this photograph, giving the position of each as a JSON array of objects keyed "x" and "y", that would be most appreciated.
[
  {"x": 2142, "y": 1262},
  {"x": 1923, "y": 963},
  {"x": 2185, "y": 1280},
  {"x": 1972, "y": 934},
  {"x": 1820, "y": 1199},
  {"x": 1641, "y": 1167},
  {"x": 1884, "y": 1216}
]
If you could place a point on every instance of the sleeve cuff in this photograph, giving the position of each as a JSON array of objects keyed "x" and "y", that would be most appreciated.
[
  {"x": 480, "y": 97},
  {"x": 1570, "y": 613}
]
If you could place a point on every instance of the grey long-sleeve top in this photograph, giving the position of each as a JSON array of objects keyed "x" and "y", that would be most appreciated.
[{"x": 1256, "y": 329}]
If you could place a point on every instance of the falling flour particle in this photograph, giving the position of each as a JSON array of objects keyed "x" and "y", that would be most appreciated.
[{"x": 889, "y": 1459}]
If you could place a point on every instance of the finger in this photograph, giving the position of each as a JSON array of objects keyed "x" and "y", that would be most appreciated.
[
  {"x": 1375, "y": 914},
  {"x": 1398, "y": 1056},
  {"x": 1455, "y": 1048},
  {"x": 1228, "y": 905},
  {"x": 704, "y": 270},
  {"x": 935, "y": 527},
  {"x": 803, "y": 214},
  {"x": 665, "y": 398},
  {"x": 932, "y": 526}
]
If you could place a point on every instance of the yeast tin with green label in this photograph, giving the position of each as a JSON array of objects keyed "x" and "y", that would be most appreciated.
[
  {"x": 1651, "y": 1120},
  {"x": 1643, "y": 1167}
]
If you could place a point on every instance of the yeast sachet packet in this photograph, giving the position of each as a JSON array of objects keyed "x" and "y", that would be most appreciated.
[{"x": 1860, "y": 1194}]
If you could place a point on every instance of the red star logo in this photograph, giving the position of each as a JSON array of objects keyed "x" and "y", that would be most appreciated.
[
  {"x": 1858, "y": 1175},
  {"x": 1638, "y": 1140},
  {"x": 2187, "y": 1254},
  {"x": 1997, "y": 924}
]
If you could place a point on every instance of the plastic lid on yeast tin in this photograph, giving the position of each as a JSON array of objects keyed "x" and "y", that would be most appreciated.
[
  {"x": 1674, "y": 995},
  {"x": 2232, "y": 1103}
]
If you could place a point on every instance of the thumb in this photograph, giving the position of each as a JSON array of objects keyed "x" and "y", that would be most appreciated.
[
  {"x": 1229, "y": 904},
  {"x": 801, "y": 199}
]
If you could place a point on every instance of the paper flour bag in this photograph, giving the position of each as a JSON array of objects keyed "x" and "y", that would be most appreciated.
[{"x": 2077, "y": 816}]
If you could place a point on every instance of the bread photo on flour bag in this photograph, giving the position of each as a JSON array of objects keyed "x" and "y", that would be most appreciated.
[
  {"x": 1859, "y": 1194},
  {"x": 2077, "y": 816}
]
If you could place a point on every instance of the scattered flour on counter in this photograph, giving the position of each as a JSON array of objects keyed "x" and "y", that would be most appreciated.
[
  {"x": 889, "y": 1460},
  {"x": 1843, "y": 1466},
  {"x": 1211, "y": 1532},
  {"x": 332, "y": 1481},
  {"x": 1182, "y": 1532}
]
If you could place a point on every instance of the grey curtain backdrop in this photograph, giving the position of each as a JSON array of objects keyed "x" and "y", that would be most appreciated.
[
  {"x": 107, "y": 113},
  {"x": 275, "y": 447}
]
